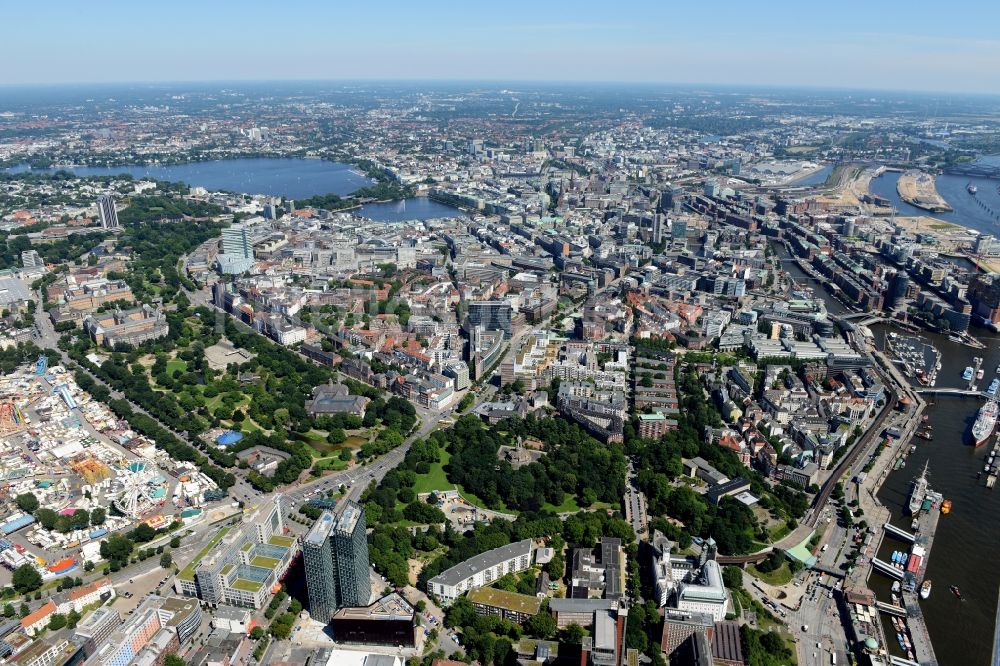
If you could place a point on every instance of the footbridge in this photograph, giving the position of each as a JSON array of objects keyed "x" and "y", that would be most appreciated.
[
  {"x": 887, "y": 569},
  {"x": 901, "y": 534},
  {"x": 890, "y": 609},
  {"x": 971, "y": 393}
]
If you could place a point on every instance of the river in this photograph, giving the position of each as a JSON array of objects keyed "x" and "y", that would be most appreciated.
[
  {"x": 970, "y": 211},
  {"x": 966, "y": 538}
]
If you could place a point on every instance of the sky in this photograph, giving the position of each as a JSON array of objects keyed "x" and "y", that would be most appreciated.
[{"x": 878, "y": 44}]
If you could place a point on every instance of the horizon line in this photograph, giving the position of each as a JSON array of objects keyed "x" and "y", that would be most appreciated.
[{"x": 495, "y": 81}]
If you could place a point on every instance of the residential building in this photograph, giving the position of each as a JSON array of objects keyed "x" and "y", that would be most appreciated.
[
  {"x": 481, "y": 570},
  {"x": 53, "y": 651},
  {"x": 506, "y": 605},
  {"x": 39, "y": 618},
  {"x": 79, "y": 598}
]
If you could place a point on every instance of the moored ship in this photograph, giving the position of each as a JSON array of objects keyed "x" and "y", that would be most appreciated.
[
  {"x": 918, "y": 492},
  {"x": 925, "y": 589},
  {"x": 986, "y": 421}
]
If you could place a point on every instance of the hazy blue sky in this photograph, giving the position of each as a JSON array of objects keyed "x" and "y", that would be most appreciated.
[{"x": 912, "y": 44}]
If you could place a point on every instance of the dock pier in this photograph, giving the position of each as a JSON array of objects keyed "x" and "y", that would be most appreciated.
[{"x": 923, "y": 650}]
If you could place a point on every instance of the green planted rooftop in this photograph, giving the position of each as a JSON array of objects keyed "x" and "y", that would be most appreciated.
[
  {"x": 277, "y": 540},
  {"x": 265, "y": 562},
  {"x": 246, "y": 585},
  {"x": 187, "y": 573}
]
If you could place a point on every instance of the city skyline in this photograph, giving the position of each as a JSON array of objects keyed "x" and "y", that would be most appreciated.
[{"x": 857, "y": 47}]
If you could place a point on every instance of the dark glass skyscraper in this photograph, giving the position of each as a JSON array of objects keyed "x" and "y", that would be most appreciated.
[
  {"x": 317, "y": 560},
  {"x": 335, "y": 557},
  {"x": 351, "y": 557}
]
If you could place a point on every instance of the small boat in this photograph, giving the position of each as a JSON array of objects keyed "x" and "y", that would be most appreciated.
[
  {"x": 915, "y": 524},
  {"x": 925, "y": 589},
  {"x": 972, "y": 189},
  {"x": 926, "y": 418},
  {"x": 895, "y": 588},
  {"x": 946, "y": 506},
  {"x": 954, "y": 590}
]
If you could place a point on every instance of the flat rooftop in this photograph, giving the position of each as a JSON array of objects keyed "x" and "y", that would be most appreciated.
[
  {"x": 390, "y": 607},
  {"x": 512, "y": 601},
  {"x": 320, "y": 532},
  {"x": 481, "y": 562},
  {"x": 187, "y": 573}
]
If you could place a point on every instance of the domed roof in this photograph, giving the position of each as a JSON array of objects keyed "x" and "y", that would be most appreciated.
[{"x": 871, "y": 643}]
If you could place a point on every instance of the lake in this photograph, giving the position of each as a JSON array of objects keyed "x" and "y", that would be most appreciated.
[
  {"x": 416, "y": 208},
  {"x": 286, "y": 177}
]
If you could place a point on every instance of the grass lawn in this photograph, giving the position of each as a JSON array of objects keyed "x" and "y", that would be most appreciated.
[
  {"x": 188, "y": 572},
  {"x": 569, "y": 504},
  {"x": 435, "y": 479},
  {"x": 331, "y": 463},
  {"x": 176, "y": 364},
  {"x": 779, "y": 576},
  {"x": 778, "y": 532},
  {"x": 249, "y": 425}
]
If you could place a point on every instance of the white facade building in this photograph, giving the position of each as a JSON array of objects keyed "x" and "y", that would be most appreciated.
[{"x": 481, "y": 570}]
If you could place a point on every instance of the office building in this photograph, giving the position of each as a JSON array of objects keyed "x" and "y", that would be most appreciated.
[
  {"x": 31, "y": 259},
  {"x": 335, "y": 555},
  {"x": 107, "y": 212},
  {"x": 351, "y": 549},
  {"x": 387, "y": 621},
  {"x": 320, "y": 570},
  {"x": 237, "y": 250},
  {"x": 491, "y": 315},
  {"x": 244, "y": 563}
]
